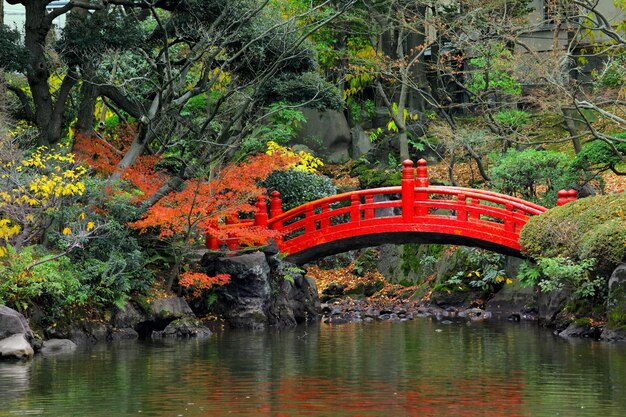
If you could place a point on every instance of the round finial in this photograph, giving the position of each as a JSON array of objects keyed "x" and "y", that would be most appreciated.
[
  {"x": 275, "y": 194},
  {"x": 422, "y": 162},
  {"x": 407, "y": 163}
]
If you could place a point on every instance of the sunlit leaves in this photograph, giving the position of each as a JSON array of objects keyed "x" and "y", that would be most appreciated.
[
  {"x": 201, "y": 204},
  {"x": 198, "y": 281},
  {"x": 33, "y": 188}
]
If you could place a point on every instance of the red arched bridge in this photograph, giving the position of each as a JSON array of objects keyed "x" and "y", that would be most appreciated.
[{"x": 412, "y": 212}]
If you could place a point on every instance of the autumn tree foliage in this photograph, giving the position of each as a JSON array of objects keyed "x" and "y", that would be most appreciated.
[
  {"x": 198, "y": 206},
  {"x": 104, "y": 154},
  {"x": 203, "y": 203}
]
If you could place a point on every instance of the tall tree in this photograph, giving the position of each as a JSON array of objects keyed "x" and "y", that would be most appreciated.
[{"x": 169, "y": 57}]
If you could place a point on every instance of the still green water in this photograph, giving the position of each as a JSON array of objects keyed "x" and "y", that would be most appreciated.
[{"x": 418, "y": 368}]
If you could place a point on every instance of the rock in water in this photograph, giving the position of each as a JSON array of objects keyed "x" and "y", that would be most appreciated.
[
  {"x": 263, "y": 291},
  {"x": 12, "y": 322},
  {"x": 172, "y": 307},
  {"x": 245, "y": 298},
  {"x": 16, "y": 347},
  {"x": 185, "y": 327},
  {"x": 57, "y": 347}
]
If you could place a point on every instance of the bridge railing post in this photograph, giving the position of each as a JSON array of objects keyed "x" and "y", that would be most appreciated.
[
  {"x": 461, "y": 213},
  {"x": 369, "y": 212},
  {"x": 276, "y": 208},
  {"x": 232, "y": 242},
  {"x": 509, "y": 224},
  {"x": 211, "y": 240},
  {"x": 408, "y": 190},
  {"x": 563, "y": 198},
  {"x": 474, "y": 203},
  {"x": 260, "y": 216},
  {"x": 422, "y": 181},
  {"x": 355, "y": 210}
]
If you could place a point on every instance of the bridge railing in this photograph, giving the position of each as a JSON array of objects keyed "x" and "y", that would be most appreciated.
[{"x": 413, "y": 201}]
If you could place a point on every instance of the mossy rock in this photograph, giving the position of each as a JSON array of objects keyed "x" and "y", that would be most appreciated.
[
  {"x": 373, "y": 177},
  {"x": 593, "y": 227}
]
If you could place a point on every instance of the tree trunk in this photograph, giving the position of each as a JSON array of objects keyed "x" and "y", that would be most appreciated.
[
  {"x": 89, "y": 94},
  {"x": 48, "y": 115},
  {"x": 85, "y": 118},
  {"x": 404, "y": 145},
  {"x": 136, "y": 149}
]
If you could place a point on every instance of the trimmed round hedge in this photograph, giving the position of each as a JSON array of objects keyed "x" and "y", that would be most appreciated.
[
  {"x": 298, "y": 187},
  {"x": 593, "y": 227}
]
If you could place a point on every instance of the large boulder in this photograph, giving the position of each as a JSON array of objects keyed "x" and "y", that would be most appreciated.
[
  {"x": 513, "y": 300},
  {"x": 263, "y": 291},
  {"x": 12, "y": 322},
  {"x": 244, "y": 300},
  {"x": 327, "y": 133},
  {"x": 16, "y": 347},
  {"x": 126, "y": 317},
  {"x": 550, "y": 307},
  {"x": 296, "y": 300},
  {"x": 170, "y": 307},
  {"x": 157, "y": 314},
  {"x": 84, "y": 332},
  {"x": 361, "y": 143}
]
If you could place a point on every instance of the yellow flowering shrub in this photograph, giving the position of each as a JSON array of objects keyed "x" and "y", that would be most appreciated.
[
  {"x": 34, "y": 187},
  {"x": 305, "y": 161}
]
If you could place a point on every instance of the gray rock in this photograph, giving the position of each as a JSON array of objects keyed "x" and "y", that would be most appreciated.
[
  {"x": 12, "y": 322},
  {"x": 613, "y": 335},
  {"x": 361, "y": 143},
  {"x": 327, "y": 133},
  {"x": 617, "y": 289},
  {"x": 170, "y": 307},
  {"x": 549, "y": 305},
  {"x": 184, "y": 328},
  {"x": 512, "y": 299},
  {"x": 244, "y": 300},
  {"x": 57, "y": 347},
  {"x": 16, "y": 347},
  {"x": 575, "y": 330},
  {"x": 82, "y": 333},
  {"x": 126, "y": 317},
  {"x": 263, "y": 291},
  {"x": 117, "y": 335}
]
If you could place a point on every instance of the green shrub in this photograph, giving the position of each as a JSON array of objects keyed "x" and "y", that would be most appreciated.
[
  {"x": 308, "y": 87},
  {"x": 297, "y": 187},
  {"x": 52, "y": 287},
  {"x": 613, "y": 73},
  {"x": 512, "y": 118},
  {"x": 483, "y": 270},
  {"x": 281, "y": 127},
  {"x": 574, "y": 276},
  {"x": 593, "y": 227},
  {"x": 599, "y": 155},
  {"x": 372, "y": 177},
  {"x": 534, "y": 175}
]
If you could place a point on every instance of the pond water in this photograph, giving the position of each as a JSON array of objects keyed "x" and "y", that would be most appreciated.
[{"x": 417, "y": 368}]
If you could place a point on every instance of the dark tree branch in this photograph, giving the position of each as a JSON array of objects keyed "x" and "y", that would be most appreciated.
[{"x": 24, "y": 102}]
